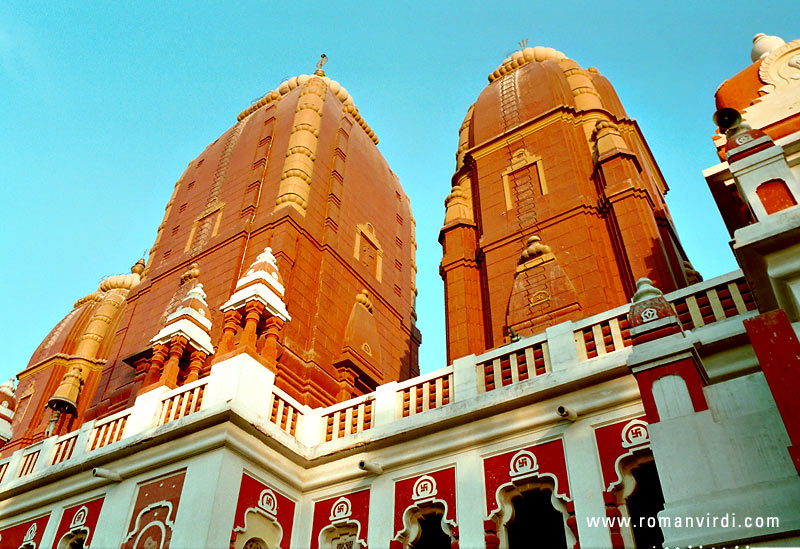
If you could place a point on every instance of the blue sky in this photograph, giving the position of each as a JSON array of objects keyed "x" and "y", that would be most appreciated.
[{"x": 103, "y": 106}]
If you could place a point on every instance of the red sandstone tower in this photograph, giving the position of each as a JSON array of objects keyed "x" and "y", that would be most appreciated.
[
  {"x": 329, "y": 306},
  {"x": 557, "y": 206}
]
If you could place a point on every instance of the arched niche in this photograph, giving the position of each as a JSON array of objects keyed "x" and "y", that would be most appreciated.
[
  {"x": 533, "y": 497},
  {"x": 426, "y": 526},
  {"x": 260, "y": 532},
  {"x": 639, "y": 494},
  {"x": 340, "y": 536},
  {"x": 74, "y": 539}
]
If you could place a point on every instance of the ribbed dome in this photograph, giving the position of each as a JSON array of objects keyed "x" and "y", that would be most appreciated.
[
  {"x": 63, "y": 337},
  {"x": 530, "y": 83},
  {"x": 298, "y": 172}
]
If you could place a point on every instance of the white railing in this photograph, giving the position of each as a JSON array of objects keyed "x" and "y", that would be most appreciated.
[
  {"x": 182, "y": 401},
  {"x": 426, "y": 392},
  {"x": 348, "y": 417},
  {"x": 108, "y": 430},
  {"x": 28, "y": 463},
  {"x": 513, "y": 363},
  {"x": 594, "y": 337},
  {"x": 285, "y": 411},
  {"x": 64, "y": 448}
]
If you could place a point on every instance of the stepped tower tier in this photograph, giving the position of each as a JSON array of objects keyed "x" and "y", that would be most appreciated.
[{"x": 547, "y": 150}]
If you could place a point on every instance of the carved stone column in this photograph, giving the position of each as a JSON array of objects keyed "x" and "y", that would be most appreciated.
[
  {"x": 176, "y": 348},
  {"x": 230, "y": 325},
  {"x": 198, "y": 358},
  {"x": 253, "y": 312},
  {"x": 274, "y": 325},
  {"x": 156, "y": 363}
]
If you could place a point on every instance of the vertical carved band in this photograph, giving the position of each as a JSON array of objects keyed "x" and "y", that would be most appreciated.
[{"x": 299, "y": 164}]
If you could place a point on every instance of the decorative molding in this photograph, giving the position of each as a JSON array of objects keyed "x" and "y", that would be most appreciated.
[
  {"x": 781, "y": 68},
  {"x": 520, "y": 58},
  {"x": 520, "y": 160},
  {"x": 365, "y": 231}
]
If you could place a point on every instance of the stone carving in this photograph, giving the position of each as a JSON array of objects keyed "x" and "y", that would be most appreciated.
[
  {"x": 523, "y": 463},
  {"x": 424, "y": 488}
]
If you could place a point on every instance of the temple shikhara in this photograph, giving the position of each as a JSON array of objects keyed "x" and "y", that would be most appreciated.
[{"x": 254, "y": 382}]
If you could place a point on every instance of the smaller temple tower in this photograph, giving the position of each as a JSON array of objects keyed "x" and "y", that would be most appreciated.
[{"x": 548, "y": 152}]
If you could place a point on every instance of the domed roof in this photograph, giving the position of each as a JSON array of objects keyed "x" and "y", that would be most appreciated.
[
  {"x": 759, "y": 78},
  {"x": 297, "y": 81},
  {"x": 767, "y": 89},
  {"x": 531, "y": 82},
  {"x": 523, "y": 57},
  {"x": 63, "y": 338}
]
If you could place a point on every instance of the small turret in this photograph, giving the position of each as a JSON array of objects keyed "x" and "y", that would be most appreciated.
[{"x": 8, "y": 403}]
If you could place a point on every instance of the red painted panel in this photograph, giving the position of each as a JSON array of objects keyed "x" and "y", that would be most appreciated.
[
  {"x": 438, "y": 485},
  {"x": 545, "y": 460},
  {"x": 154, "y": 513},
  {"x": 28, "y": 531},
  {"x": 255, "y": 496},
  {"x": 616, "y": 441},
  {"x": 80, "y": 518},
  {"x": 775, "y": 196},
  {"x": 341, "y": 510}
]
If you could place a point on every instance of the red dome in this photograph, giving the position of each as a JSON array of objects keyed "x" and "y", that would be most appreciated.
[{"x": 518, "y": 95}]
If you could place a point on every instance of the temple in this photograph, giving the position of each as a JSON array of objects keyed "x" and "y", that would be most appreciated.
[{"x": 254, "y": 382}]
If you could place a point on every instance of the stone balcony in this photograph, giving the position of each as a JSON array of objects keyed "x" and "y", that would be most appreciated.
[{"x": 563, "y": 359}]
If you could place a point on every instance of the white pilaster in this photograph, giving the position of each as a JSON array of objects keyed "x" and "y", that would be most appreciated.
[
  {"x": 470, "y": 501},
  {"x": 48, "y": 538},
  {"x": 385, "y": 403},
  {"x": 82, "y": 440},
  {"x": 45, "y": 454},
  {"x": 310, "y": 431},
  {"x": 112, "y": 524},
  {"x": 145, "y": 412},
  {"x": 381, "y": 512},
  {"x": 586, "y": 483},
  {"x": 561, "y": 346},
  {"x": 465, "y": 379},
  {"x": 208, "y": 501},
  {"x": 245, "y": 383},
  {"x": 303, "y": 523}
]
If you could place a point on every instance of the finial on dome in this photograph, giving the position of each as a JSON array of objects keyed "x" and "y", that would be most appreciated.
[
  {"x": 266, "y": 257},
  {"x": 763, "y": 44},
  {"x": 322, "y": 60},
  {"x": 138, "y": 267},
  {"x": 363, "y": 299},
  {"x": 534, "y": 248},
  {"x": 645, "y": 290},
  {"x": 8, "y": 387},
  {"x": 192, "y": 273},
  {"x": 524, "y": 56}
]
